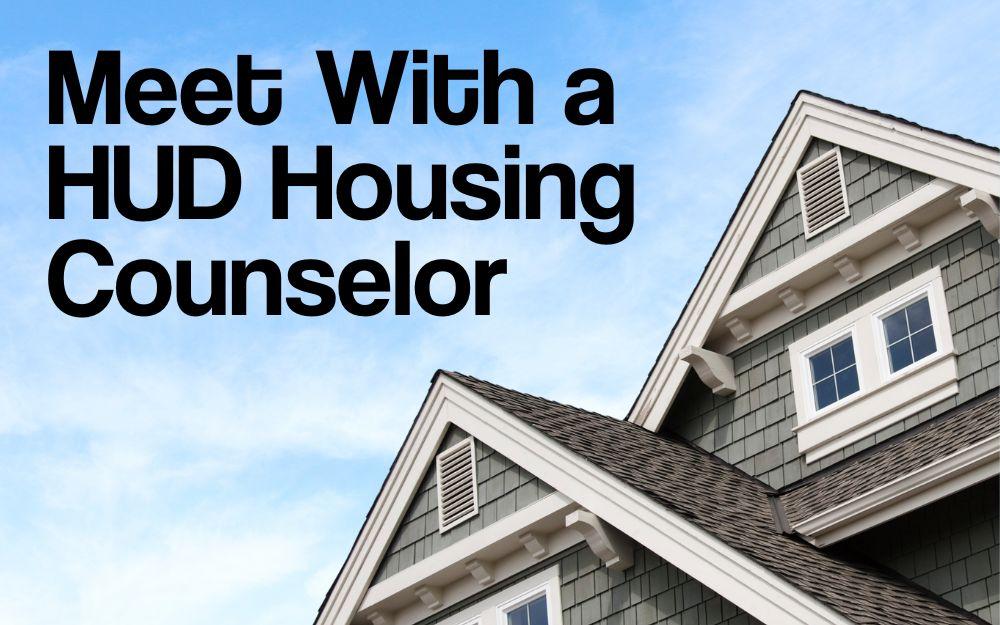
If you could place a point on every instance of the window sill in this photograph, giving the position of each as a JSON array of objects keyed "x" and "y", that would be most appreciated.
[{"x": 909, "y": 392}]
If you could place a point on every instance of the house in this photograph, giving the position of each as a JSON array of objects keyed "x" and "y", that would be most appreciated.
[{"x": 816, "y": 443}]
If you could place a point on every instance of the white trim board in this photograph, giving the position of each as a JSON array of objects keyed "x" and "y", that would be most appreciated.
[
  {"x": 752, "y": 587},
  {"x": 883, "y": 397},
  {"x": 767, "y": 312},
  {"x": 810, "y": 117},
  {"x": 937, "y": 480},
  {"x": 489, "y": 611},
  {"x": 489, "y": 544}
]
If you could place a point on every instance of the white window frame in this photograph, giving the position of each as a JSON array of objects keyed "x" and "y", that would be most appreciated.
[
  {"x": 883, "y": 397},
  {"x": 808, "y": 377},
  {"x": 493, "y": 609},
  {"x": 505, "y": 609},
  {"x": 939, "y": 311}
]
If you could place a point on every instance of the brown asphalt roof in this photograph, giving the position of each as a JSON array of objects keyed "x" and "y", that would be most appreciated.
[
  {"x": 953, "y": 431},
  {"x": 727, "y": 503}
]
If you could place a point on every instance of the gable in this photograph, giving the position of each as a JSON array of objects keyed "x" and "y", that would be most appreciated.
[
  {"x": 753, "y": 428},
  {"x": 719, "y": 317},
  {"x": 503, "y": 488},
  {"x": 872, "y": 184},
  {"x": 353, "y": 598}
]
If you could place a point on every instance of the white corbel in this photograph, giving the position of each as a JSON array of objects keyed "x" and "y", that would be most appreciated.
[
  {"x": 715, "y": 370},
  {"x": 430, "y": 596},
  {"x": 607, "y": 543},
  {"x": 848, "y": 268},
  {"x": 379, "y": 617},
  {"x": 535, "y": 544},
  {"x": 908, "y": 236},
  {"x": 793, "y": 300},
  {"x": 740, "y": 329},
  {"x": 981, "y": 205},
  {"x": 481, "y": 571}
]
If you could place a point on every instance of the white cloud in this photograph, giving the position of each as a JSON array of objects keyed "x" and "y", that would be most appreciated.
[{"x": 184, "y": 471}]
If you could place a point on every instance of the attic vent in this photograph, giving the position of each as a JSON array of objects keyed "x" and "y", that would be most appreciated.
[
  {"x": 822, "y": 192},
  {"x": 456, "y": 474}
]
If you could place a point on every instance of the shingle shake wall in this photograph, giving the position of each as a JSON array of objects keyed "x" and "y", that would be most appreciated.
[
  {"x": 651, "y": 592},
  {"x": 949, "y": 547},
  {"x": 753, "y": 428},
  {"x": 872, "y": 184},
  {"x": 503, "y": 489},
  {"x": 678, "y": 476}
]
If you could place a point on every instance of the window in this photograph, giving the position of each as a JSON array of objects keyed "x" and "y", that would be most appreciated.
[
  {"x": 533, "y": 612},
  {"x": 834, "y": 373},
  {"x": 873, "y": 366},
  {"x": 458, "y": 500},
  {"x": 909, "y": 334}
]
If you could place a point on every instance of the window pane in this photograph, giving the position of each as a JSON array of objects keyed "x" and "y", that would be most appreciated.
[
  {"x": 518, "y": 616},
  {"x": 899, "y": 355},
  {"x": 847, "y": 382},
  {"x": 826, "y": 393},
  {"x": 822, "y": 365},
  {"x": 919, "y": 314},
  {"x": 923, "y": 344},
  {"x": 843, "y": 355},
  {"x": 895, "y": 326},
  {"x": 537, "y": 612}
]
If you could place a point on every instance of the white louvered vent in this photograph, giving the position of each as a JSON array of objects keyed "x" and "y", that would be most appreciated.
[
  {"x": 822, "y": 193},
  {"x": 456, "y": 473}
]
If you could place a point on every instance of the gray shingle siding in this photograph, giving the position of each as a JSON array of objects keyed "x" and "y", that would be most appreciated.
[
  {"x": 872, "y": 184},
  {"x": 753, "y": 428},
  {"x": 651, "y": 592},
  {"x": 504, "y": 488},
  {"x": 949, "y": 547}
]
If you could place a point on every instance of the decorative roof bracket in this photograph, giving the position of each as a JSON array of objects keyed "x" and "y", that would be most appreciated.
[
  {"x": 981, "y": 205},
  {"x": 715, "y": 370},
  {"x": 607, "y": 543}
]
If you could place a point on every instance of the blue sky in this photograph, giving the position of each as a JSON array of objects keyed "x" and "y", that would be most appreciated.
[{"x": 215, "y": 470}]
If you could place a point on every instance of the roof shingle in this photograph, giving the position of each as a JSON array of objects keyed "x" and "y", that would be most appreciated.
[
  {"x": 727, "y": 503},
  {"x": 952, "y": 432}
]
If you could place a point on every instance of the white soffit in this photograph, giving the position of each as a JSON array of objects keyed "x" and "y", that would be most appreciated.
[
  {"x": 810, "y": 116},
  {"x": 744, "y": 582}
]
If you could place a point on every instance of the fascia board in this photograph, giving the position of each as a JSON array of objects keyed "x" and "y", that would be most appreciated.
[
  {"x": 414, "y": 458},
  {"x": 918, "y": 488},
  {"x": 810, "y": 117},
  {"x": 824, "y": 254},
  {"x": 553, "y": 506}
]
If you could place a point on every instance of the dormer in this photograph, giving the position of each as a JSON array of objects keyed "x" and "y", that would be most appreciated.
[{"x": 852, "y": 298}]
